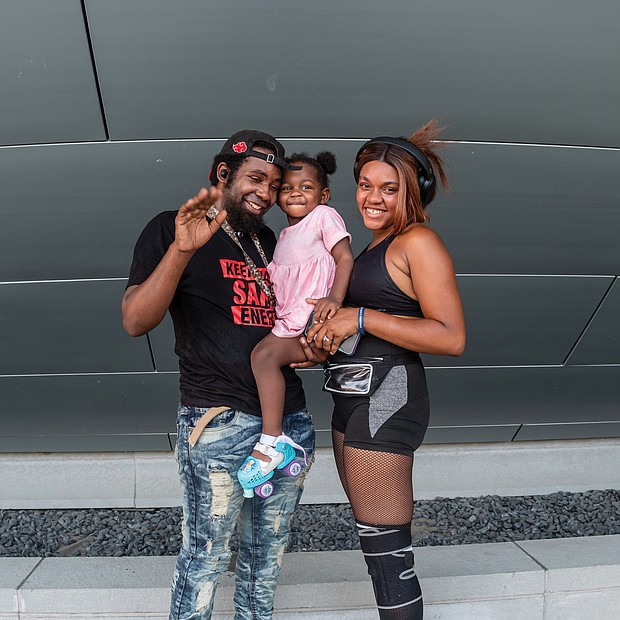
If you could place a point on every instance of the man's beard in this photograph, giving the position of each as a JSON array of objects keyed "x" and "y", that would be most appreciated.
[{"x": 240, "y": 219}]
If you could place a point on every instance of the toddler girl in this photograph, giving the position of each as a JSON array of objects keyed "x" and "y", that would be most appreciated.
[{"x": 312, "y": 259}]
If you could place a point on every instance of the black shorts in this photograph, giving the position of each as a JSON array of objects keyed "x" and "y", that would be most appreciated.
[{"x": 393, "y": 419}]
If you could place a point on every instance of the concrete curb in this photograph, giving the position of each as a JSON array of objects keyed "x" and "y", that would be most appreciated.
[
  {"x": 561, "y": 579},
  {"x": 141, "y": 480}
]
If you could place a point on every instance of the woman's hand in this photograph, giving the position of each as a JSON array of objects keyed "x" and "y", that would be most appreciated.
[
  {"x": 313, "y": 355},
  {"x": 329, "y": 334}
]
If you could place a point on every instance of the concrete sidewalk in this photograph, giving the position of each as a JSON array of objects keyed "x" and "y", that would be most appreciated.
[{"x": 562, "y": 579}]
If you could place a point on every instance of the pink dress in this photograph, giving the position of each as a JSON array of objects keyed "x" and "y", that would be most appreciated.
[{"x": 303, "y": 267}]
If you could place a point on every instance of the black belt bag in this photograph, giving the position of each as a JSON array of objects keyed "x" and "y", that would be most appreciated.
[{"x": 361, "y": 376}]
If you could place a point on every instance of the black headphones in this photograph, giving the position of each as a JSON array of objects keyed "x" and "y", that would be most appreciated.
[
  {"x": 426, "y": 175},
  {"x": 223, "y": 173}
]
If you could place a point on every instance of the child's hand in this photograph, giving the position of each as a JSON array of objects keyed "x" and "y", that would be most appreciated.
[{"x": 325, "y": 308}]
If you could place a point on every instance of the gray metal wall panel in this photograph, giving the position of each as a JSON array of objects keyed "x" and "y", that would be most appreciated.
[
  {"x": 89, "y": 405},
  {"x": 600, "y": 343},
  {"x": 492, "y": 403},
  {"x": 48, "y": 91},
  {"x": 192, "y": 69},
  {"x": 67, "y": 327},
  {"x": 162, "y": 345},
  {"x": 538, "y": 432},
  {"x": 511, "y": 321},
  {"x": 473, "y": 433},
  {"x": 524, "y": 395},
  {"x": 525, "y": 320},
  {"x": 500, "y": 71},
  {"x": 78, "y": 209},
  {"x": 319, "y": 403},
  {"x": 531, "y": 210},
  {"x": 156, "y": 442}
]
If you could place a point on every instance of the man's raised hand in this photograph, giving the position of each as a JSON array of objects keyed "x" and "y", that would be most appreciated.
[{"x": 192, "y": 229}]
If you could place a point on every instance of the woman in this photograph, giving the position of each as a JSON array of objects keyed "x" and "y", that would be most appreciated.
[{"x": 403, "y": 300}]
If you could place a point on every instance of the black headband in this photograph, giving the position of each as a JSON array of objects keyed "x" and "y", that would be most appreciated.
[{"x": 426, "y": 175}]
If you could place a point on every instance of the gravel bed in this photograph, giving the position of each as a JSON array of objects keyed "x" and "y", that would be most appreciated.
[{"x": 316, "y": 527}]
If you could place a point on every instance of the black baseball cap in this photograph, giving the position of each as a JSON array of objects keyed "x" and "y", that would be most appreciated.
[{"x": 242, "y": 143}]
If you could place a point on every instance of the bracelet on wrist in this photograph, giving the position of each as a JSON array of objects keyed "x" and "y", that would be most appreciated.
[{"x": 360, "y": 321}]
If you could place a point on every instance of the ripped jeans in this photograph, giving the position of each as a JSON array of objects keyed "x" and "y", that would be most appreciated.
[{"x": 213, "y": 504}]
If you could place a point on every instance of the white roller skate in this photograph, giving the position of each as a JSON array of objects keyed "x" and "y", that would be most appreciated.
[{"x": 255, "y": 474}]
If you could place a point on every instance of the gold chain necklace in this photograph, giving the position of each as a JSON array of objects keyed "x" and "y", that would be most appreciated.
[{"x": 267, "y": 289}]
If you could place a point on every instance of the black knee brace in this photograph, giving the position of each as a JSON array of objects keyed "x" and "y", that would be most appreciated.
[{"x": 389, "y": 557}]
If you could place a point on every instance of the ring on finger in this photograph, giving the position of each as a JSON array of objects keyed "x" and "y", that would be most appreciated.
[{"x": 326, "y": 339}]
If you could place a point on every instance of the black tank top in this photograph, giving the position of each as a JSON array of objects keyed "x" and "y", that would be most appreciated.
[{"x": 372, "y": 286}]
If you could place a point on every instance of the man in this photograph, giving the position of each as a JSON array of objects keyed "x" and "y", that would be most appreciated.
[{"x": 206, "y": 265}]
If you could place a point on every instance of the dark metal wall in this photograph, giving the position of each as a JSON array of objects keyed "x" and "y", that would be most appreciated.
[{"x": 111, "y": 111}]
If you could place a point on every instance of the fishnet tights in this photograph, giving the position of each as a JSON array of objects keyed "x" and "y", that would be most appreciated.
[
  {"x": 378, "y": 484},
  {"x": 410, "y": 612}
]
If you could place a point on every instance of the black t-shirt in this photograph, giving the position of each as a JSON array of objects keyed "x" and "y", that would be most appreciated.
[{"x": 219, "y": 314}]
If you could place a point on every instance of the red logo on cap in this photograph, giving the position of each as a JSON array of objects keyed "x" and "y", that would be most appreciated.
[{"x": 240, "y": 147}]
